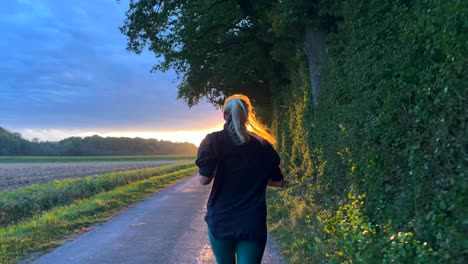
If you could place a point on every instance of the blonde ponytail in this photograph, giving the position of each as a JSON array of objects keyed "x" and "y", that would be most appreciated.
[{"x": 243, "y": 122}]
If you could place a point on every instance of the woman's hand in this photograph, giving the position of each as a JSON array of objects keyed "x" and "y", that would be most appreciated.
[
  {"x": 203, "y": 179},
  {"x": 279, "y": 184}
]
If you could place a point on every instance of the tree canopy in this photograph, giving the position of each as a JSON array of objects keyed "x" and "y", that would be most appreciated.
[{"x": 218, "y": 47}]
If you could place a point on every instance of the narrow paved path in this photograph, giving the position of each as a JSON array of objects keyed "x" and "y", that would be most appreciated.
[{"x": 166, "y": 228}]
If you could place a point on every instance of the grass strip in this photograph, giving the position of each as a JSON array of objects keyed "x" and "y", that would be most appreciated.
[
  {"x": 58, "y": 159},
  {"x": 42, "y": 231},
  {"x": 23, "y": 203},
  {"x": 290, "y": 224}
]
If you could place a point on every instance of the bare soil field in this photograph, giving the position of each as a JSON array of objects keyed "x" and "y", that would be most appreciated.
[{"x": 18, "y": 175}]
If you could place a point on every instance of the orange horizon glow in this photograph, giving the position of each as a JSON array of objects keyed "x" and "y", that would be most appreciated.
[
  {"x": 191, "y": 136},
  {"x": 194, "y": 137}
]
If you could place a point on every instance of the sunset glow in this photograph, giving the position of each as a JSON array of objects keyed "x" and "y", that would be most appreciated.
[
  {"x": 191, "y": 136},
  {"x": 78, "y": 79},
  {"x": 194, "y": 137}
]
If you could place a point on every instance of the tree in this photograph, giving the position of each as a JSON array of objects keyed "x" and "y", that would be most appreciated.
[
  {"x": 217, "y": 47},
  {"x": 13, "y": 144},
  {"x": 221, "y": 47}
]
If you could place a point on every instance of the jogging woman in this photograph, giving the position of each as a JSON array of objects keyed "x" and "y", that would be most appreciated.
[{"x": 242, "y": 162}]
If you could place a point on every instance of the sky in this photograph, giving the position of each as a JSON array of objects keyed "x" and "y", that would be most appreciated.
[{"x": 64, "y": 71}]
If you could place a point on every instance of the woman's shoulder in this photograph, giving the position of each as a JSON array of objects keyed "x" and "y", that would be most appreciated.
[
  {"x": 261, "y": 141},
  {"x": 266, "y": 147},
  {"x": 216, "y": 135},
  {"x": 213, "y": 137}
]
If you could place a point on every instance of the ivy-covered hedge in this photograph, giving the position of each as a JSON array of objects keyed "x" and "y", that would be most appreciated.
[{"x": 380, "y": 162}]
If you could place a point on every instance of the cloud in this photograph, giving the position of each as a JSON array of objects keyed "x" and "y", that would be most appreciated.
[{"x": 64, "y": 66}]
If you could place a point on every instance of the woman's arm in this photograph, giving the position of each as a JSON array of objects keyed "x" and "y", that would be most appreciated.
[
  {"x": 203, "y": 179},
  {"x": 206, "y": 160}
]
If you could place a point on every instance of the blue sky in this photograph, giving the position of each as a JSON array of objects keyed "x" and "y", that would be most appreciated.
[{"x": 64, "y": 71}]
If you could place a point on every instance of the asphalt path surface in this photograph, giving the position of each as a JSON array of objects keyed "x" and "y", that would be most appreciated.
[{"x": 166, "y": 228}]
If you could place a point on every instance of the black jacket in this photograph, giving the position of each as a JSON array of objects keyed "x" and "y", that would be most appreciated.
[{"x": 236, "y": 207}]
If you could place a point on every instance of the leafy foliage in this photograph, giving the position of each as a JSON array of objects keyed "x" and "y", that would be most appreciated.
[
  {"x": 389, "y": 126},
  {"x": 218, "y": 47},
  {"x": 12, "y": 143}
]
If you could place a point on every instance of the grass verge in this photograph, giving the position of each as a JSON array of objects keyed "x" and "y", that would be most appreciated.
[
  {"x": 291, "y": 222},
  {"x": 23, "y": 203},
  {"x": 313, "y": 230},
  {"x": 58, "y": 159},
  {"x": 42, "y": 231}
]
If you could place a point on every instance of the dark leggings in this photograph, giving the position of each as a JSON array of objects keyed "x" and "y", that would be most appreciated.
[{"x": 248, "y": 252}]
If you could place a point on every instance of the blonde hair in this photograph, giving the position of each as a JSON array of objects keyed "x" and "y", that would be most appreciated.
[{"x": 243, "y": 123}]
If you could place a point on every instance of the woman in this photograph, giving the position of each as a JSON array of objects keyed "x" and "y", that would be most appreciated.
[{"x": 242, "y": 163}]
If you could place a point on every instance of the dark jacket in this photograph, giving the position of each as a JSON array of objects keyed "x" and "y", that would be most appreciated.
[{"x": 236, "y": 207}]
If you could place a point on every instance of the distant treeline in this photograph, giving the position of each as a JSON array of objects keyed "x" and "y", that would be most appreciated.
[{"x": 13, "y": 144}]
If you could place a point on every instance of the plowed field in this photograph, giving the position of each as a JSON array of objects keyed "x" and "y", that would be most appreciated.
[{"x": 17, "y": 175}]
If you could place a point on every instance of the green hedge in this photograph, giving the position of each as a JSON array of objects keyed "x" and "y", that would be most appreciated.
[
  {"x": 23, "y": 203},
  {"x": 380, "y": 163}
]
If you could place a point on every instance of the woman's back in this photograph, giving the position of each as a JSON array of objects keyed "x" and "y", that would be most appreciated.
[
  {"x": 236, "y": 207},
  {"x": 242, "y": 163}
]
